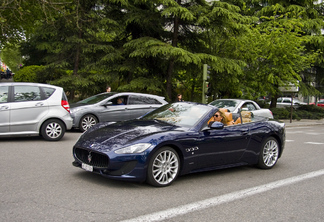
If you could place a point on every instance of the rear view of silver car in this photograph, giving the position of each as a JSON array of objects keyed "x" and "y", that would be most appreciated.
[
  {"x": 34, "y": 109},
  {"x": 113, "y": 107}
]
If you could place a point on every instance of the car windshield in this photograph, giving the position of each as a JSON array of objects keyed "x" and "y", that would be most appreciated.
[
  {"x": 179, "y": 114},
  {"x": 229, "y": 104},
  {"x": 96, "y": 98}
]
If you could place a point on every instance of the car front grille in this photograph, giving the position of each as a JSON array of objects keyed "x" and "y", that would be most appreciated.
[{"x": 92, "y": 158}]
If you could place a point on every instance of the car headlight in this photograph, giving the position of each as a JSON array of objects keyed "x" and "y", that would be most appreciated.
[{"x": 137, "y": 148}]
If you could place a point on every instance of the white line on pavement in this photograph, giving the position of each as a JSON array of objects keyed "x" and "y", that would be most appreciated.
[
  {"x": 189, "y": 208},
  {"x": 314, "y": 143}
]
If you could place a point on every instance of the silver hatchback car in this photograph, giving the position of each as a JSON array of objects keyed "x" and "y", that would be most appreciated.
[
  {"x": 34, "y": 109},
  {"x": 113, "y": 107}
]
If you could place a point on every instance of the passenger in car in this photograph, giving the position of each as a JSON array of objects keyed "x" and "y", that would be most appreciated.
[
  {"x": 120, "y": 101},
  {"x": 219, "y": 116},
  {"x": 223, "y": 116}
]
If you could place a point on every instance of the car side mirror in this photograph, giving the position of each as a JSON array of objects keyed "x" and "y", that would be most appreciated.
[
  {"x": 217, "y": 125},
  {"x": 108, "y": 103}
]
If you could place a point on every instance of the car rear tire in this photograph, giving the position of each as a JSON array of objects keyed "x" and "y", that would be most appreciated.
[
  {"x": 269, "y": 153},
  {"x": 53, "y": 130},
  {"x": 163, "y": 167},
  {"x": 87, "y": 122}
]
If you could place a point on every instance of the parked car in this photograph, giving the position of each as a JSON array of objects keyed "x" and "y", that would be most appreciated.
[
  {"x": 235, "y": 105},
  {"x": 104, "y": 107},
  {"x": 34, "y": 109},
  {"x": 320, "y": 103},
  {"x": 177, "y": 139},
  {"x": 283, "y": 102}
]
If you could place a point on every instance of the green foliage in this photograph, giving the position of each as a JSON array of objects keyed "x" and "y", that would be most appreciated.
[
  {"x": 82, "y": 85},
  {"x": 28, "y": 74},
  {"x": 18, "y": 17},
  {"x": 144, "y": 85},
  {"x": 302, "y": 112},
  {"x": 159, "y": 46},
  {"x": 10, "y": 55}
]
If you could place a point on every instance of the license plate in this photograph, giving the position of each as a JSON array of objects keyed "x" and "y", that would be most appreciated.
[{"x": 87, "y": 167}]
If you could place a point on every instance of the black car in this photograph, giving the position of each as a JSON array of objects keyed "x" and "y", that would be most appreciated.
[{"x": 177, "y": 139}]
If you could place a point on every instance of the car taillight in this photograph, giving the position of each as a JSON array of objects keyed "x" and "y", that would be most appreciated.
[{"x": 65, "y": 105}]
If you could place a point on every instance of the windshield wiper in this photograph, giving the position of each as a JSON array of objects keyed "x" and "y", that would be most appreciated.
[{"x": 161, "y": 121}]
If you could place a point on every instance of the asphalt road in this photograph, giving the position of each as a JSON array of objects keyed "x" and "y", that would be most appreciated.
[{"x": 39, "y": 183}]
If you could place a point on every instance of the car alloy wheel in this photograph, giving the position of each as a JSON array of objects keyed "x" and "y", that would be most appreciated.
[
  {"x": 163, "y": 167},
  {"x": 87, "y": 122},
  {"x": 53, "y": 130},
  {"x": 269, "y": 153}
]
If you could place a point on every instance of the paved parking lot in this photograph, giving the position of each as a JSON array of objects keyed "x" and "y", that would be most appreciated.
[{"x": 39, "y": 183}]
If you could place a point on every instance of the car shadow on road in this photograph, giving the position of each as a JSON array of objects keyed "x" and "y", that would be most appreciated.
[
  {"x": 21, "y": 138},
  {"x": 185, "y": 179},
  {"x": 103, "y": 181}
]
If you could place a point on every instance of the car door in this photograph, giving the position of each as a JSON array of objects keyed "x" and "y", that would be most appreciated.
[
  {"x": 4, "y": 109},
  {"x": 109, "y": 110},
  {"x": 139, "y": 105},
  {"x": 222, "y": 146},
  {"x": 27, "y": 108}
]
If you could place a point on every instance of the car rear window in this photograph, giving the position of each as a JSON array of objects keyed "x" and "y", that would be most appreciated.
[{"x": 48, "y": 91}]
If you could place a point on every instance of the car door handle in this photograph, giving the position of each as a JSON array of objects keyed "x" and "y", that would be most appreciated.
[
  {"x": 4, "y": 107},
  {"x": 245, "y": 133},
  {"x": 39, "y": 104}
]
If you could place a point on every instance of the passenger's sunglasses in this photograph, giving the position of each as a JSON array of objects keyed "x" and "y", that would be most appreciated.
[{"x": 216, "y": 115}]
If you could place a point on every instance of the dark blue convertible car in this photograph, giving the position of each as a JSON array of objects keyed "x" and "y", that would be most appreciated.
[{"x": 178, "y": 139}]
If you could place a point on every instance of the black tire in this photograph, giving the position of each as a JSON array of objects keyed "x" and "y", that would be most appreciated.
[
  {"x": 164, "y": 167},
  {"x": 269, "y": 153},
  {"x": 53, "y": 130},
  {"x": 87, "y": 121}
]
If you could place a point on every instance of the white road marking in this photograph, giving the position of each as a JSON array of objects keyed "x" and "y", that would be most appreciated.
[
  {"x": 298, "y": 127},
  {"x": 314, "y": 143},
  {"x": 295, "y": 132},
  {"x": 287, "y": 141},
  {"x": 189, "y": 208}
]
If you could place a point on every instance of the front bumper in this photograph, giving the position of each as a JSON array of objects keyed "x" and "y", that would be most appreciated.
[{"x": 128, "y": 167}]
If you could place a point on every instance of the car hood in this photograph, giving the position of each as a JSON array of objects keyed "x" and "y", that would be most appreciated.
[
  {"x": 74, "y": 105},
  {"x": 111, "y": 136}
]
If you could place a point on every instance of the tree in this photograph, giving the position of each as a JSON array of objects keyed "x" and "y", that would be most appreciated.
[
  {"x": 18, "y": 17},
  {"x": 141, "y": 45},
  {"x": 72, "y": 44},
  {"x": 275, "y": 52},
  {"x": 180, "y": 44},
  {"x": 11, "y": 56}
]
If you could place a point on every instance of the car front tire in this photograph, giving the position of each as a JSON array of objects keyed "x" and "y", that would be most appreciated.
[
  {"x": 163, "y": 167},
  {"x": 87, "y": 122},
  {"x": 269, "y": 153},
  {"x": 53, "y": 130}
]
